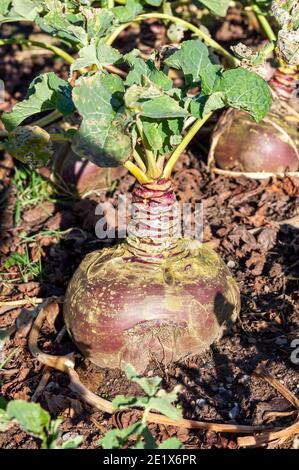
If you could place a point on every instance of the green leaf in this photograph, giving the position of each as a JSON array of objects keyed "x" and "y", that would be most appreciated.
[
  {"x": 31, "y": 145},
  {"x": 122, "y": 401},
  {"x": 127, "y": 13},
  {"x": 99, "y": 21},
  {"x": 176, "y": 33},
  {"x": 154, "y": 3},
  {"x": 163, "y": 405},
  {"x": 139, "y": 68},
  {"x": 155, "y": 133},
  {"x": 117, "y": 438},
  {"x": 15, "y": 258},
  {"x": 162, "y": 107},
  {"x": 102, "y": 136},
  {"x": 95, "y": 54},
  {"x": 163, "y": 135},
  {"x": 171, "y": 443},
  {"x": 209, "y": 77},
  {"x": 288, "y": 44},
  {"x": 3, "y": 403},
  {"x": 5, "y": 420},
  {"x": 192, "y": 58},
  {"x": 71, "y": 443},
  {"x": 215, "y": 101},
  {"x": 5, "y": 7},
  {"x": 46, "y": 92},
  {"x": 27, "y": 9},
  {"x": 149, "y": 384},
  {"x": 245, "y": 90},
  {"x": 161, "y": 80},
  {"x": 55, "y": 22},
  {"x": 218, "y": 7},
  {"x": 30, "y": 416},
  {"x": 149, "y": 441}
]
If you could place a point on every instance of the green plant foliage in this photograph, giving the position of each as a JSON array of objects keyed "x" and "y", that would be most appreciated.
[
  {"x": 192, "y": 58},
  {"x": 18, "y": 10},
  {"x": 46, "y": 92},
  {"x": 95, "y": 54},
  {"x": 111, "y": 107},
  {"x": 31, "y": 145},
  {"x": 37, "y": 422},
  {"x": 127, "y": 13},
  {"x": 238, "y": 88},
  {"x": 155, "y": 399},
  {"x": 218, "y": 7},
  {"x": 286, "y": 13},
  {"x": 101, "y": 137}
]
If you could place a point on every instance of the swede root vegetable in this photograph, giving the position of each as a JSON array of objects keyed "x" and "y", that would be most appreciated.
[
  {"x": 81, "y": 176},
  {"x": 155, "y": 296},
  {"x": 273, "y": 145},
  {"x": 269, "y": 146},
  {"x": 155, "y": 293}
]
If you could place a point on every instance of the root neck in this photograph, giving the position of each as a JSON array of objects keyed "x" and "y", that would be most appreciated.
[
  {"x": 284, "y": 82},
  {"x": 154, "y": 229}
]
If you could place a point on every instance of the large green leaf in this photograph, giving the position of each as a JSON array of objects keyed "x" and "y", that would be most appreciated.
[
  {"x": 46, "y": 92},
  {"x": 138, "y": 68},
  {"x": 27, "y": 9},
  {"x": 127, "y": 13},
  {"x": 96, "y": 54},
  {"x": 163, "y": 135},
  {"x": 245, "y": 90},
  {"x": 101, "y": 137},
  {"x": 99, "y": 21},
  {"x": 209, "y": 76},
  {"x": 162, "y": 107},
  {"x": 218, "y": 7},
  {"x": 5, "y": 7},
  {"x": 17, "y": 10},
  {"x": 31, "y": 145},
  {"x": 192, "y": 58},
  {"x": 31, "y": 417},
  {"x": 56, "y": 22}
]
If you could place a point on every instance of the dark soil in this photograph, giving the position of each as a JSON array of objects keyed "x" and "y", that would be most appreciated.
[{"x": 244, "y": 219}]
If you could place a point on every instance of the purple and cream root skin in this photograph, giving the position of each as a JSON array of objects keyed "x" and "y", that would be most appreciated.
[
  {"x": 150, "y": 296},
  {"x": 269, "y": 146},
  {"x": 82, "y": 176}
]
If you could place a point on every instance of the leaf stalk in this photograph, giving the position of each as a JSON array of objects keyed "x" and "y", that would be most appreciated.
[{"x": 182, "y": 146}]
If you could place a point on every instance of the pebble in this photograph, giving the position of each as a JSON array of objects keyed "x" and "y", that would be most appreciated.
[
  {"x": 231, "y": 264},
  {"x": 281, "y": 341},
  {"x": 234, "y": 412},
  {"x": 244, "y": 380},
  {"x": 201, "y": 402}
]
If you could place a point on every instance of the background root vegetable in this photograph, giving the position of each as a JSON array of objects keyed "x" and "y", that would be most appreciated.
[
  {"x": 271, "y": 145},
  {"x": 82, "y": 176},
  {"x": 128, "y": 303}
]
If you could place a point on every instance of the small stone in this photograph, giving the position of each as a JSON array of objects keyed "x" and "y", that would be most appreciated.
[
  {"x": 245, "y": 379},
  {"x": 229, "y": 379},
  {"x": 231, "y": 264},
  {"x": 234, "y": 412},
  {"x": 281, "y": 341},
  {"x": 150, "y": 373},
  {"x": 201, "y": 402}
]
